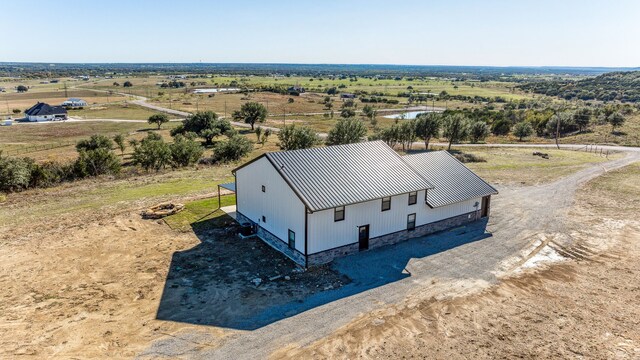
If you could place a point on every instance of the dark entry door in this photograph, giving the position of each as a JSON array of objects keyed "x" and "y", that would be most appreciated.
[
  {"x": 486, "y": 202},
  {"x": 363, "y": 237}
]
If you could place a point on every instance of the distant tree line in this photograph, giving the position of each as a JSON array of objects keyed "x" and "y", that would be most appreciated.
[{"x": 614, "y": 86}]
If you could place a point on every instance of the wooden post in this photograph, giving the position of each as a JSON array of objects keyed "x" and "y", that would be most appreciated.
[{"x": 219, "y": 203}]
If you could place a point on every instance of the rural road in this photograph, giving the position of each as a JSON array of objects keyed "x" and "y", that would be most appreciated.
[{"x": 449, "y": 264}]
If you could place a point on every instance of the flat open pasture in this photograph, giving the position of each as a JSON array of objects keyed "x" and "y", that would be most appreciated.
[
  {"x": 23, "y": 101},
  {"x": 55, "y": 141}
]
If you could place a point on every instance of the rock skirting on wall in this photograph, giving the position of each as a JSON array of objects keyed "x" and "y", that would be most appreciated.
[{"x": 393, "y": 238}]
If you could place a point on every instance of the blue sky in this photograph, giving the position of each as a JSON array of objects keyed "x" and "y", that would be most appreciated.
[{"x": 454, "y": 32}]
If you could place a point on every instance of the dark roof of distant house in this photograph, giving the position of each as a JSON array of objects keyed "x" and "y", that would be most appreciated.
[
  {"x": 41, "y": 109},
  {"x": 340, "y": 175},
  {"x": 453, "y": 181}
]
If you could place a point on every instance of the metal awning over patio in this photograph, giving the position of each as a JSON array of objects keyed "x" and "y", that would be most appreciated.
[{"x": 229, "y": 186}]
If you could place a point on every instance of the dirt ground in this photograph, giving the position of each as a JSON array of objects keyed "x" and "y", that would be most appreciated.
[
  {"x": 109, "y": 286},
  {"x": 584, "y": 307}
]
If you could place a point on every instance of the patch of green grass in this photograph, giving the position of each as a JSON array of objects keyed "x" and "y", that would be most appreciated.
[{"x": 199, "y": 211}]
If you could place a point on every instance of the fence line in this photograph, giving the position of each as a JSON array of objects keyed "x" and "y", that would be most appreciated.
[
  {"x": 594, "y": 149},
  {"x": 36, "y": 148}
]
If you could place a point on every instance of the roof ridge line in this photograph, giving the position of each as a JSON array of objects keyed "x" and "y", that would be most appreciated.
[{"x": 409, "y": 166}]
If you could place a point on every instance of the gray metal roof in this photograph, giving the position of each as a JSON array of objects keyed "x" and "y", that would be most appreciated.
[
  {"x": 453, "y": 181},
  {"x": 346, "y": 174}
]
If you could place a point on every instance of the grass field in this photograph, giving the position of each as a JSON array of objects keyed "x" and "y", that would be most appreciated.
[
  {"x": 36, "y": 139},
  {"x": 198, "y": 211},
  {"x": 519, "y": 166}
]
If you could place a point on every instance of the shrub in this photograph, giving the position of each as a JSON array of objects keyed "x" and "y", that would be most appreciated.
[
  {"x": 16, "y": 111},
  {"x": 15, "y": 174},
  {"x": 152, "y": 153},
  {"x": 294, "y": 137},
  {"x": 231, "y": 150},
  {"x": 94, "y": 142},
  {"x": 522, "y": 130},
  {"x": 96, "y": 162},
  {"x": 501, "y": 127},
  {"x": 346, "y": 131},
  {"x": 185, "y": 151},
  {"x": 478, "y": 131}
]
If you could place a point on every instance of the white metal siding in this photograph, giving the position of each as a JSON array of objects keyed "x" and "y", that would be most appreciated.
[
  {"x": 325, "y": 233},
  {"x": 279, "y": 204},
  {"x": 444, "y": 212}
]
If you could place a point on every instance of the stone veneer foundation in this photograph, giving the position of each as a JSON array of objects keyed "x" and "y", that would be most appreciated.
[{"x": 393, "y": 238}]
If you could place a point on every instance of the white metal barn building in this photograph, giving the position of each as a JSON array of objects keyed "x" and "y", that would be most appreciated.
[{"x": 314, "y": 205}]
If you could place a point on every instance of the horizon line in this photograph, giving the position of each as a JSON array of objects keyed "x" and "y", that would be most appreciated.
[{"x": 319, "y": 64}]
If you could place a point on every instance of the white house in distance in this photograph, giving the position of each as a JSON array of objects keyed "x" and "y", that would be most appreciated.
[
  {"x": 45, "y": 112},
  {"x": 74, "y": 103},
  {"x": 314, "y": 205}
]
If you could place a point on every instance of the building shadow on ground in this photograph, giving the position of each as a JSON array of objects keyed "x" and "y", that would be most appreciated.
[{"x": 244, "y": 284}]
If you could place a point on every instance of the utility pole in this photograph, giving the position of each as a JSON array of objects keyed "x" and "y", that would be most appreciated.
[
  {"x": 284, "y": 116},
  {"x": 225, "y": 109},
  {"x": 65, "y": 90}
]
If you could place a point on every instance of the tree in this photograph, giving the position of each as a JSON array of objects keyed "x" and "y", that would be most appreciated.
[
  {"x": 251, "y": 113},
  {"x": 233, "y": 149},
  {"x": 478, "y": 131},
  {"x": 206, "y": 125},
  {"x": 370, "y": 112},
  {"x": 15, "y": 173},
  {"x": 95, "y": 142},
  {"x": 346, "y": 131},
  {"x": 127, "y": 84},
  {"x": 158, "y": 119},
  {"x": 565, "y": 120},
  {"x": 582, "y": 118},
  {"x": 120, "y": 143},
  {"x": 347, "y": 113},
  {"x": 96, "y": 162},
  {"x": 294, "y": 137},
  {"x": 185, "y": 151},
  {"x": 152, "y": 153},
  {"x": 427, "y": 127},
  {"x": 258, "y": 132},
  {"x": 501, "y": 126},
  {"x": 22, "y": 88},
  {"x": 522, "y": 130},
  {"x": 455, "y": 128},
  {"x": 115, "y": 83},
  {"x": 616, "y": 120},
  {"x": 265, "y": 135},
  {"x": 407, "y": 134}
]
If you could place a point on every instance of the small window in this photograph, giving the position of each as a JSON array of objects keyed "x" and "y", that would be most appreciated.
[
  {"x": 264, "y": 189},
  {"x": 386, "y": 203},
  {"x": 338, "y": 213},
  {"x": 292, "y": 240},
  {"x": 413, "y": 198},
  {"x": 264, "y": 219},
  {"x": 411, "y": 221}
]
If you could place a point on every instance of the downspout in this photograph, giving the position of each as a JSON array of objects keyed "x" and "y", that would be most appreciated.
[{"x": 306, "y": 237}]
